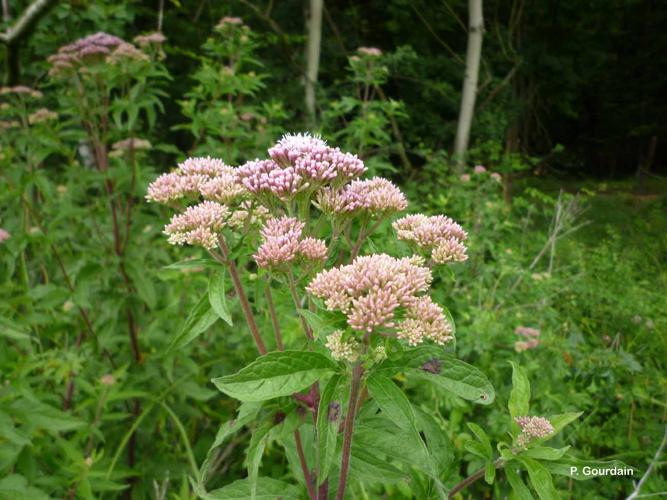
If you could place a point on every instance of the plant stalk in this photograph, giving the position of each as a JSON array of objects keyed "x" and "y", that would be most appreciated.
[
  {"x": 499, "y": 464},
  {"x": 357, "y": 372}
]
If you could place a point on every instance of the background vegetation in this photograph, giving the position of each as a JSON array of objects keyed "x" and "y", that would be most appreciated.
[{"x": 570, "y": 239}]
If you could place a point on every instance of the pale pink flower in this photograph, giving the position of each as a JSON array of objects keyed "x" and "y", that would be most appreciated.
[
  {"x": 199, "y": 225},
  {"x": 342, "y": 350},
  {"x": 131, "y": 143},
  {"x": 465, "y": 177},
  {"x": 313, "y": 249},
  {"x": 126, "y": 51},
  {"x": 533, "y": 428},
  {"x": 282, "y": 244},
  {"x": 496, "y": 177},
  {"x": 4, "y": 235},
  {"x": 370, "y": 289},
  {"x": 208, "y": 177},
  {"x": 479, "y": 169},
  {"x": 425, "y": 320},
  {"x": 108, "y": 379},
  {"x": 531, "y": 338},
  {"x": 376, "y": 196},
  {"x": 155, "y": 38},
  {"x": 229, "y": 21},
  {"x": 369, "y": 51},
  {"x": 438, "y": 235},
  {"x": 266, "y": 176},
  {"x": 527, "y": 332},
  {"x": 449, "y": 250},
  {"x": 42, "y": 115},
  {"x": 292, "y": 146},
  {"x": 22, "y": 90}
]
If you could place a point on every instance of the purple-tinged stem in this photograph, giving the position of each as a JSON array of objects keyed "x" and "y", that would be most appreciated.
[{"x": 348, "y": 430}]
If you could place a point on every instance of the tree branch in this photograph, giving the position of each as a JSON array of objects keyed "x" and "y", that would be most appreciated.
[{"x": 15, "y": 32}]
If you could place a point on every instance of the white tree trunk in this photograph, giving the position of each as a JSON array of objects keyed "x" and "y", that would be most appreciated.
[
  {"x": 473, "y": 57},
  {"x": 313, "y": 54}
]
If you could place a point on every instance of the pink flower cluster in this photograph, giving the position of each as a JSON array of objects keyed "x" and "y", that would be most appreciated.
[
  {"x": 4, "y": 235},
  {"x": 371, "y": 289},
  {"x": 207, "y": 177},
  {"x": 438, "y": 234},
  {"x": 299, "y": 162},
  {"x": 341, "y": 349},
  {"x": 100, "y": 46},
  {"x": 532, "y": 428},
  {"x": 531, "y": 338},
  {"x": 376, "y": 196},
  {"x": 425, "y": 320},
  {"x": 155, "y": 38},
  {"x": 282, "y": 244},
  {"x": 21, "y": 90},
  {"x": 199, "y": 225},
  {"x": 369, "y": 51}
]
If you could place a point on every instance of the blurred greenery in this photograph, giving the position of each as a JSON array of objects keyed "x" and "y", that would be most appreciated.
[{"x": 98, "y": 399}]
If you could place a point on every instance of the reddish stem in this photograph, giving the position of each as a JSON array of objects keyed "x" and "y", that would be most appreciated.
[{"x": 357, "y": 372}]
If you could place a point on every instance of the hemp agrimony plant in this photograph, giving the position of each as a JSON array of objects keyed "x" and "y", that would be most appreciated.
[
  {"x": 366, "y": 119},
  {"x": 322, "y": 387},
  {"x": 225, "y": 120}
]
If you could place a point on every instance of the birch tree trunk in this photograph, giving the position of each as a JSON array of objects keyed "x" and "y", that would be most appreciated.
[
  {"x": 313, "y": 54},
  {"x": 469, "y": 94}
]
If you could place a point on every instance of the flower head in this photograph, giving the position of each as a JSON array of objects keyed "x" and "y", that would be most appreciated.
[
  {"x": 204, "y": 176},
  {"x": 479, "y": 169},
  {"x": 425, "y": 320},
  {"x": 155, "y": 38},
  {"x": 282, "y": 244},
  {"x": 342, "y": 350},
  {"x": 21, "y": 90},
  {"x": 369, "y": 290},
  {"x": 531, "y": 338},
  {"x": 42, "y": 115},
  {"x": 131, "y": 143},
  {"x": 532, "y": 428},
  {"x": 369, "y": 51},
  {"x": 438, "y": 234},
  {"x": 377, "y": 196},
  {"x": 199, "y": 225},
  {"x": 4, "y": 235}
]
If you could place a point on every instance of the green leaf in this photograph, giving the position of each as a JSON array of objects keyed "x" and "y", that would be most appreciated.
[
  {"x": 216, "y": 295},
  {"x": 200, "y": 319},
  {"x": 434, "y": 365},
  {"x": 391, "y": 400},
  {"x": 573, "y": 467},
  {"x": 246, "y": 414},
  {"x": 144, "y": 285},
  {"x": 189, "y": 264},
  {"x": 520, "y": 396},
  {"x": 320, "y": 327},
  {"x": 544, "y": 453},
  {"x": 483, "y": 439},
  {"x": 489, "y": 472},
  {"x": 254, "y": 458},
  {"x": 276, "y": 374},
  {"x": 16, "y": 486},
  {"x": 540, "y": 478},
  {"x": 369, "y": 469},
  {"x": 328, "y": 422},
  {"x": 517, "y": 484},
  {"x": 266, "y": 489},
  {"x": 559, "y": 422},
  {"x": 437, "y": 442}
]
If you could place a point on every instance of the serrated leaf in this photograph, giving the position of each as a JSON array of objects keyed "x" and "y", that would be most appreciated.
[
  {"x": 489, "y": 472},
  {"x": 276, "y": 374},
  {"x": 266, "y": 489},
  {"x": 216, "y": 296},
  {"x": 254, "y": 458},
  {"x": 519, "y": 401},
  {"x": 545, "y": 453},
  {"x": 189, "y": 264},
  {"x": 328, "y": 422},
  {"x": 369, "y": 469},
  {"x": 393, "y": 403},
  {"x": 517, "y": 484},
  {"x": 144, "y": 285},
  {"x": 434, "y": 365},
  {"x": 483, "y": 439},
  {"x": 540, "y": 478},
  {"x": 246, "y": 414},
  {"x": 559, "y": 422},
  {"x": 200, "y": 319}
]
